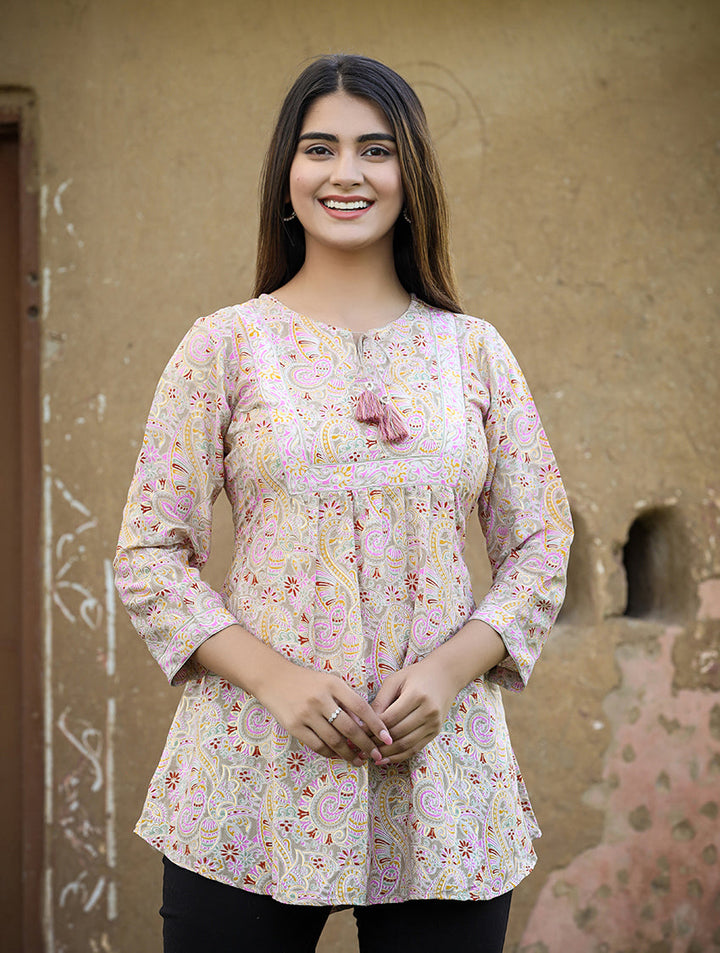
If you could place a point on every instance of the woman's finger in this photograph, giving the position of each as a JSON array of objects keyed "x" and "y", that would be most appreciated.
[
  {"x": 412, "y": 722},
  {"x": 345, "y": 731},
  {"x": 400, "y": 708},
  {"x": 357, "y": 708},
  {"x": 316, "y": 743},
  {"x": 389, "y": 691},
  {"x": 408, "y": 746}
]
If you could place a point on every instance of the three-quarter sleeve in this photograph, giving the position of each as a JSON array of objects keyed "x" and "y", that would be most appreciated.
[
  {"x": 525, "y": 518},
  {"x": 166, "y": 528}
]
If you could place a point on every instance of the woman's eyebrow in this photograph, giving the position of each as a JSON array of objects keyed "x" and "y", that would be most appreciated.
[
  {"x": 366, "y": 137},
  {"x": 374, "y": 136}
]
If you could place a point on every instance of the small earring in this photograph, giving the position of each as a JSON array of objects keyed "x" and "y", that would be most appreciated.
[
  {"x": 407, "y": 217},
  {"x": 290, "y": 217}
]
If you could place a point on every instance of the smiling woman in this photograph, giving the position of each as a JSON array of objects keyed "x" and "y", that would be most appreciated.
[
  {"x": 341, "y": 738},
  {"x": 346, "y": 191},
  {"x": 420, "y": 237}
]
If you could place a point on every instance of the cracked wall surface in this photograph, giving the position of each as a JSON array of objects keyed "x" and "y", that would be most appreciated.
[
  {"x": 653, "y": 880},
  {"x": 581, "y": 147}
]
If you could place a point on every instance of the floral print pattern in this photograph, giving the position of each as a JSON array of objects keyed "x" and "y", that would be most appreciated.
[{"x": 348, "y": 558}]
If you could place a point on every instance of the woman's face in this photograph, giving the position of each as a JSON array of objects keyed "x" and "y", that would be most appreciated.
[{"x": 345, "y": 182}]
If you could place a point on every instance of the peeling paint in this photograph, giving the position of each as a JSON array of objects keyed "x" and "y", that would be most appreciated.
[
  {"x": 709, "y": 595},
  {"x": 659, "y": 794}
]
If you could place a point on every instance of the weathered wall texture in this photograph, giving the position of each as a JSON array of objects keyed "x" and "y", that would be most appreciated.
[{"x": 581, "y": 145}]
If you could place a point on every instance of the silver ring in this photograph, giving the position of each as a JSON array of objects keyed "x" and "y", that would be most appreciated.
[{"x": 331, "y": 718}]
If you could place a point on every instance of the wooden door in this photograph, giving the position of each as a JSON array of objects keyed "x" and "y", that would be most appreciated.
[{"x": 21, "y": 773}]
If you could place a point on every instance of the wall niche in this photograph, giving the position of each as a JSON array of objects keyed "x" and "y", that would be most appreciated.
[{"x": 657, "y": 562}]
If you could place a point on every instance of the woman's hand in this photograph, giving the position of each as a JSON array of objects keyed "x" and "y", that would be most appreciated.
[
  {"x": 302, "y": 700},
  {"x": 414, "y": 704}
]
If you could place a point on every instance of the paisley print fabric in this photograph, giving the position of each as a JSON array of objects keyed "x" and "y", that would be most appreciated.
[{"x": 348, "y": 558}]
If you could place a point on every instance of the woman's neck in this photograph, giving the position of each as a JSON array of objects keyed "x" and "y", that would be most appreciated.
[{"x": 356, "y": 289}]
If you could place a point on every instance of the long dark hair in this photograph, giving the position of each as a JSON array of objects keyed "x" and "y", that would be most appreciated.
[{"x": 422, "y": 257}]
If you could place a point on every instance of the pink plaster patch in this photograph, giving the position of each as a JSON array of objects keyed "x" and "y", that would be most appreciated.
[{"x": 655, "y": 877}]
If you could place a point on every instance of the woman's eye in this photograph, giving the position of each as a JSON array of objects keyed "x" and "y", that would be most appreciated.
[
  {"x": 377, "y": 151},
  {"x": 317, "y": 151}
]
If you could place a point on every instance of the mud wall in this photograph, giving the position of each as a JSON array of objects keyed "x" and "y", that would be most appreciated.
[{"x": 580, "y": 143}]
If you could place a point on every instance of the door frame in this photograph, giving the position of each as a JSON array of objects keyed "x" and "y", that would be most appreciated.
[{"x": 17, "y": 109}]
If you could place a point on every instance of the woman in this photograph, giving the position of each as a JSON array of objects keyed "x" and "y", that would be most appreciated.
[{"x": 341, "y": 737}]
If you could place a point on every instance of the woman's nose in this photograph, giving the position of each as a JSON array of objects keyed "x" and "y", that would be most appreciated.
[{"x": 346, "y": 170}]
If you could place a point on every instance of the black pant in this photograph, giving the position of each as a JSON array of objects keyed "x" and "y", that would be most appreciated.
[{"x": 204, "y": 915}]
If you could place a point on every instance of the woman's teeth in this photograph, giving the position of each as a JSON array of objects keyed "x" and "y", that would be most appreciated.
[{"x": 344, "y": 206}]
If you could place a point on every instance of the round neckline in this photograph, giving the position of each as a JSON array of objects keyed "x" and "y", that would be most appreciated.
[{"x": 356, "y": 335}]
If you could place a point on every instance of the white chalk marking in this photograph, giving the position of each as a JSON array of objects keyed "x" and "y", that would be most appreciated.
[
  {"x": 89, "y": 744},
  {"x": 57, "y": 200},
  {"x": 70, "y": 228},
  {"x": 110, "y": 809},
  {"x": 48, "y": 912},
  {"x": 47, "y": 646},
  {"x": 46, "y": 283},
  {"x": 66, "y": 566},
  {"x": 94, "y": 896},
  {"x": 90, "y": 608},
  {"x": 43, "y": 207},
  {"x": 76, "y": 504},
  {"x": 48, "y": 705},
  {"x": 110, "y": 617},
  {"x": 112, "y": 904}
]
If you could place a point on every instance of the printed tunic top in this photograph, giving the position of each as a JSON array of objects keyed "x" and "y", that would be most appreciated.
[{"x": 348, "y": 557}]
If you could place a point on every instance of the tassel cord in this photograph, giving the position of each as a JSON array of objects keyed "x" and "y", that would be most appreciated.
[{"x": 379, "y": 409}]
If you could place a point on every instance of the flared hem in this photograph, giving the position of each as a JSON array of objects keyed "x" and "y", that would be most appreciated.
[{"x": 187, "y": 862}]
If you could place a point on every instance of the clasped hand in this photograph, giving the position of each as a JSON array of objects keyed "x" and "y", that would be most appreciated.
[
  {"x": 303, "y": 700},
  {"x": 407, "y": 713},
  {"x": 414, "y": 703}
]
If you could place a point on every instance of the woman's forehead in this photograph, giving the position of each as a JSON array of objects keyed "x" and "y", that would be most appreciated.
[{"x": 341, "y": 111}]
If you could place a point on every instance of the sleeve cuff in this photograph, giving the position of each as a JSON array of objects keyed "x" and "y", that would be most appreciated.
[
  {"x": 514, "y": 671},
  {"x": 176, "y": 661}
]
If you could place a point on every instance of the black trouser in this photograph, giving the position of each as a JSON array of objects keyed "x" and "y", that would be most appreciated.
[{"x": 205, "y": 915}]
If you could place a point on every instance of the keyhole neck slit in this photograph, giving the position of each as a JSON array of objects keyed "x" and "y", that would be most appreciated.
[{"x": 357, "y": 336}]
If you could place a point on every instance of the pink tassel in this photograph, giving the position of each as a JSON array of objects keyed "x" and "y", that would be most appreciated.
[
  {"x": 368, "y": 409},
  {"x": 392, "y": 425}
]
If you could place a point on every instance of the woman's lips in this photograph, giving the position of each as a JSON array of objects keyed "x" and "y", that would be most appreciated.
[{"x": 345, "y": 207}]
